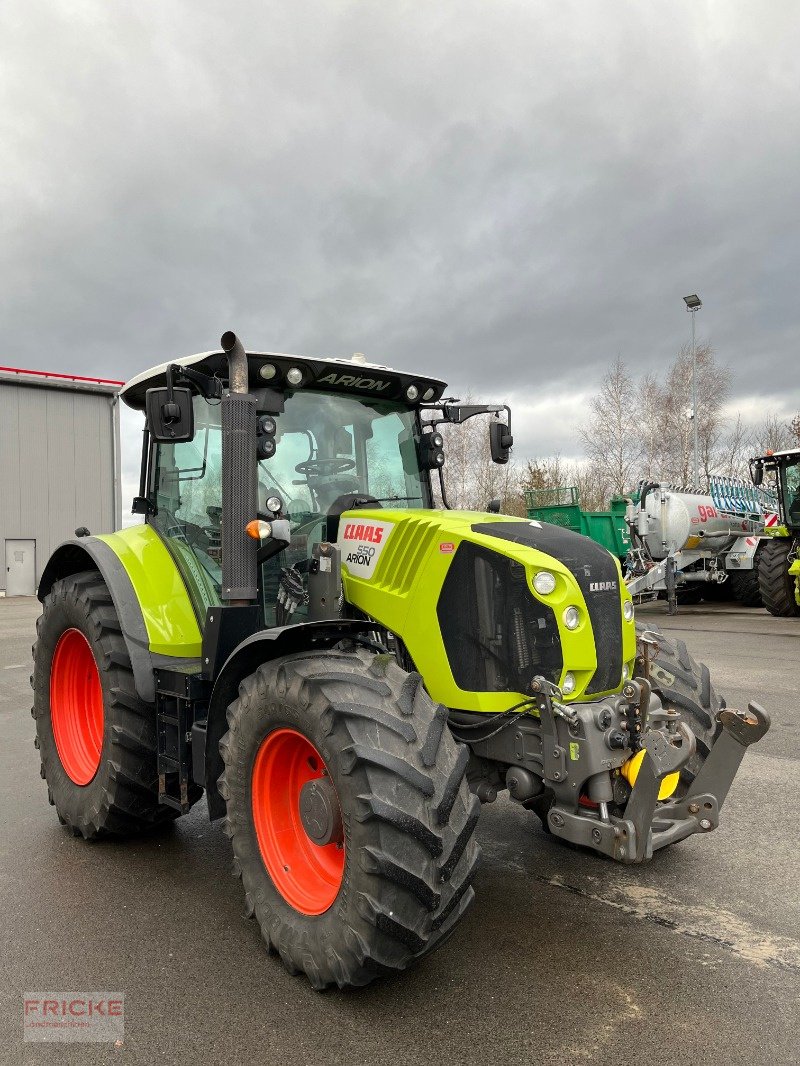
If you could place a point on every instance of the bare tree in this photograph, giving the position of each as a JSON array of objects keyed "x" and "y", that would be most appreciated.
[
  {"x": 471, "y": 478},
  {"x": 612, "y": 438},
  {"x": 713, "y": 386},
  {"x": 771, "y": 434}
]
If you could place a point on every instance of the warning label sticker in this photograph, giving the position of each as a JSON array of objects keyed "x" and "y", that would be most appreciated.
[{"x": 361, "y": 544}]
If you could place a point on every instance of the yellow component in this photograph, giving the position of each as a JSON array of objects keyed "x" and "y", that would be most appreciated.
[
  {"x": 630, "y": 771},
  {"x": 167, "y": 610}
]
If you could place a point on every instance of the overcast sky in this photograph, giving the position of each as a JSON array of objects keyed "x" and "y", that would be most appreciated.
[{"x": 505, "y": 194}]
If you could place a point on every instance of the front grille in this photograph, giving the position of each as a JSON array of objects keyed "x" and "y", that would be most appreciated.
[
  {"x": 497, "y": 635},
  {"x": 595, "y": 570}
]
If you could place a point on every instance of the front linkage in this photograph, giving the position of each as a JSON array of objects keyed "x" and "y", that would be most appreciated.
[{"x": 596, "y": 735}]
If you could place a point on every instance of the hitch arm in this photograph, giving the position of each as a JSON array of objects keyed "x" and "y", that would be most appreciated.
[
  {"x": 740, "y": 729},
  {"x": 698, "y": 811}
]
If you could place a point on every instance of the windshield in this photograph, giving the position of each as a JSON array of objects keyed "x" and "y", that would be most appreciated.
[
  {"x": 330, "y": 445},
  {"x": 327, "y": 446}
]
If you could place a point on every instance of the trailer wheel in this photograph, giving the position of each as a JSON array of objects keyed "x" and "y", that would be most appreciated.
[
  {"x": 96, "y": 738},
  {"x": 745, "y": 586},
  {"x": 349, "y": 814},
  {"x": 778, "y": 586},
  {"x": 685, "y": 685}
]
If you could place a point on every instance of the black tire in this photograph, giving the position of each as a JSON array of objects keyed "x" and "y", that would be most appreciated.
[
  {"x": 408, "y": 816},
  {"x": 684, "y": 685},
  {"x": 776, "y": 583},
  {"x": 689, "y": 594},
  {"x": 122, "y": 797},
  {"x": 745, "y": 586},
  {"x": 717, "y": 592}
]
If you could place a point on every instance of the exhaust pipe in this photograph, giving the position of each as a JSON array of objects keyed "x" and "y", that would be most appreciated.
[
  {"x": 237, "y": 362},
  {"x": 239, "y": 480}
]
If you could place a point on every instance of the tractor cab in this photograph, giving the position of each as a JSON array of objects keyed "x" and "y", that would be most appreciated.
[
  {"x": 329, "y": 436},
  {"x": 784, "y": 466}
]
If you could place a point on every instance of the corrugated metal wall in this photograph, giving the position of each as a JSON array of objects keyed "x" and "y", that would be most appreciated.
[{"x": 56, "y": 466}]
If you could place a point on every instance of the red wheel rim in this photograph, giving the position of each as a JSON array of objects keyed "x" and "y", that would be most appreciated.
[
  {"x": 76, "y": 707},
  {"x": 307, "y": 875}
]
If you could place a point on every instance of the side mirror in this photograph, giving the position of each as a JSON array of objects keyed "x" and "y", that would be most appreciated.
[
  {"x": 756, "y": 472},
  {"x": 170, "y": 415},
  {"x": 500, "y": 442},
  {"x": 493, "y": 506}
]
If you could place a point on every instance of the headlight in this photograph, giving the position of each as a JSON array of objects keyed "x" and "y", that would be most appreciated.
[
  {"x": 268, "y": 371},
  {"x": 627, "y": 610},
  {"x": 412, "y": 392},
  {"x": 294, "y": 375},
  {"x": 572, "y": 618},
  {"x": 568, "y": 684},
  {"x": 544, "y": 582},
  {"x": 625, "y": 672}
]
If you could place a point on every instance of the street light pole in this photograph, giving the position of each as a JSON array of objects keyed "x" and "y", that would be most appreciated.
[{"x": 693, "y": 304}]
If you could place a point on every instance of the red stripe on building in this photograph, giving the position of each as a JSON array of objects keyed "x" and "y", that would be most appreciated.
[{"x": 59, "y": 377}]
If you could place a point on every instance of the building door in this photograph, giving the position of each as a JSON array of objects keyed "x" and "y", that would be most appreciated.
[{"x": 20, "y": 568}]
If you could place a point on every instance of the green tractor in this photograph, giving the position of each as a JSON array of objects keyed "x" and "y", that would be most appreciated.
[
  {"x": 346, "y": 671},
  {"x": 778, "y": 560}
]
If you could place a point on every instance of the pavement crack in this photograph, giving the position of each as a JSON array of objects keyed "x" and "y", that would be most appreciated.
[{"x": 712, "y": 925}]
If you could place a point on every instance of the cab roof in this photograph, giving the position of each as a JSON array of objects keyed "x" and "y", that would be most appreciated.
[
  {"x": 784, "y": 453},
  {"x": 351, "y": 376}
]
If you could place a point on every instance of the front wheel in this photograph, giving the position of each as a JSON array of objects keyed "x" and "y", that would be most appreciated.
[
  {"x": 684, "y": 685},
  {"x": 349, "y": 814}
]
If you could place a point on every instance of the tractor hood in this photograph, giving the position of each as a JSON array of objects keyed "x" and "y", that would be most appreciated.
[{"x": 458, "y": 588}]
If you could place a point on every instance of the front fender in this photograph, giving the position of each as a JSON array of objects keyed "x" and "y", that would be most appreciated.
[{"x": 244, "y": 660}]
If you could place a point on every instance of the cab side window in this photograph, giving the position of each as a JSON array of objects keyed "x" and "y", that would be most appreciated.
[{"x": 188, "y": 499}]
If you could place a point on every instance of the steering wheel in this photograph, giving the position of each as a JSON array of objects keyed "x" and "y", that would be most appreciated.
[{"x": 325, "y": 467}]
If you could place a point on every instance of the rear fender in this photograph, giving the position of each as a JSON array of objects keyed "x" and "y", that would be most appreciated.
[
  {"x": 133, "y": 595},
  {"x": 742, "y": 553},
  {"x": 244, "y": 660},
  {"x": 89, "y": 553}
]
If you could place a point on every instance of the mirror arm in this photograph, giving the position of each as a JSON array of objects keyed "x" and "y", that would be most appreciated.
[
  {"x": 208, "y": 386},
  {"x": 455, "y": 413}
]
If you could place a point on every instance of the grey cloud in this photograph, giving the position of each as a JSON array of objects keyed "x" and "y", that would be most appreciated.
[{"x": 505, "y": 194}]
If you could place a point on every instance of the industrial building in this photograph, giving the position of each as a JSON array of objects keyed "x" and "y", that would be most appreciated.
[{"x": 59, "y": 467}]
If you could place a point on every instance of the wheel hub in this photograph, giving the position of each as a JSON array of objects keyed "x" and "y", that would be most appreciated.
[
  {"x": 320, "y": 812},
  {"x": 297, "y": 821},
  {"x": 76, "y": 707}
]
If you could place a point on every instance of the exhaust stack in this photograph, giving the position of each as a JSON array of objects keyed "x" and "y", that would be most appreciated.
[{"x": 239, "y": 480}]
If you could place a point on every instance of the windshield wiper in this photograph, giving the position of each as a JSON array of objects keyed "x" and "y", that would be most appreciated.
[{"x": 394, "y": 499}]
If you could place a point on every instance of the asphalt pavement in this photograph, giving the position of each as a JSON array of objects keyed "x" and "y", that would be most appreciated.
[{"x": 564, "y": 957}]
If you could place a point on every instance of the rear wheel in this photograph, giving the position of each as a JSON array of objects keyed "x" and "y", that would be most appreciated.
[
  {"x": 349, "y": 814},
  {"x": 778, "y": 586},
  {"x": 96, "y": 738}
]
